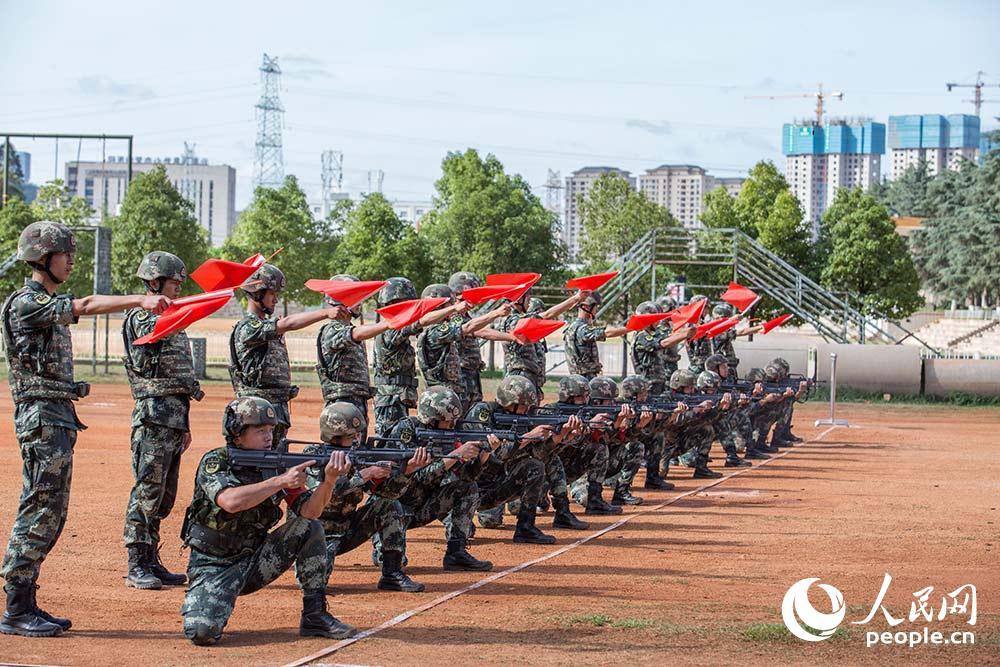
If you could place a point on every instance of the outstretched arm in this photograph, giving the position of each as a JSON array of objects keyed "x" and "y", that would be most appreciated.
[{"x": 99, "y": 304}]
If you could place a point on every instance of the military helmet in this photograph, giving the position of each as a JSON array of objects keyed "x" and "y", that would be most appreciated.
[
  {"x": 573, "y": 386},
  {"x": 773, "y": 372},
  {"x": 515, "y": 390},
  {"x": 435, "y": 290},
  {"x": 755, "y": 375},
  {"x": 723, "y": 310},
  {"x": 535, "y": 305},
  {"x": 439, "y": 403},
  {"x": 44, "y": 238},
  {"x": 782, "y": 363},
  {"x": 270, "y": 277},
  {"x": 247, "y": 411},
  {"x": 697, "y": 297},
  {"x": 395, "y": 290},
  {"x": 344, "y": 278},
  {"x": 592, "y": 299},
  {"x": 665, "y": 303},
  {"x": 708, "y": 380},
  {"x": 682, "y": 378},
  {"x": 461, "y": 281},
  {"x": 634, "y": 386},
  {"x": 603, "y": 388},
  {"x": 340, "y": 418},
  {"x": 158, "y": 264},
  {"x": 647, "y": 308},
  {"x": 713, "y": 362}
]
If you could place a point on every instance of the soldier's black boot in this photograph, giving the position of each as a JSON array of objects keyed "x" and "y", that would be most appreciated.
[
  {"x": 160, "y": 571},
  {"x": 786, "y": 434},
  {"x": 63, "y": 623},
  {"x": 734, "y": 461},
  {"x": 596, "y": 504},
  {"x": 702, "y": 471},
  {"x": 653, "y": 479},
  {"x": 140, "y": 573},
  {"x": 457, "y": 557},
  {"x": 762, "y": 445},
  {"x": 316, "y": 621},
  {"x": 22, "y": 618},
  {"x": 623, "y": 496},
  {"x": 526, "y": 532},
  {"x": 755, "y": 454},
  {"x": 393, "y": 577},
  {"x": 564, "y": 518},
  {"x": 778, "y": 440}
]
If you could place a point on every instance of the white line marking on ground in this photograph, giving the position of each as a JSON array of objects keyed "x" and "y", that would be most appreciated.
[{"x": 406, "y": 615}]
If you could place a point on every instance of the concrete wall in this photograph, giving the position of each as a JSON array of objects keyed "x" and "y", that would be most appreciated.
[{"x": 971, "y": 376}]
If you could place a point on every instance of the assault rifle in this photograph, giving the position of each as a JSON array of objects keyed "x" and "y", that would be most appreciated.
[
  {"x": 521, "y": 424},
  {"x": 273, "y": 462},
  {"x": 445, "y": 441}
]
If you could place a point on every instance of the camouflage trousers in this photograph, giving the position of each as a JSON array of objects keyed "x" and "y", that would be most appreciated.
[
  {"x": 582, "y": 464},
  {"x": 46, "y": 473},
  {"x": 764, "y": 420},
  {"x": 696, "y": 443},
  {"x": 156, "y": 462},
  {"x": 281, "y": 430},
  {"x": 734, "y": 431},
  {"x": 389, "y": 409},
  {"x": 215, "y": 583},
  {"x": 379, "y": 516},
  {"x": 624, "y": 461},
  {"x": 473, "y": 387},
  {"x": 453, "y": 503},
  {"x": 521, "y": 480}
]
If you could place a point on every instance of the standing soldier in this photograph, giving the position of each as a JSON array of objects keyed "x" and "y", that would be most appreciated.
[
  {"x": 40, "y": 362},
  {"x": 161, "y": 376},
  {"x": 670, "y": 354},
  {"x": 698, "y": 350},
  {"x": 396, "y": 360},
  {"x": 723, "y": 343},
  {"x": 582, "y": 335},
  {"x": 258, "y": 358},
  {"x": 648, "y": 346}
]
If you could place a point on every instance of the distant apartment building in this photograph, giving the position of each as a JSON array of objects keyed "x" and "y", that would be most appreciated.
[
  {"x": 211, "y": 188},
  {"x": 577, "y": 185},
  {"x": 821, "y": 159},
  {"x": 681, "y": 189},
  {"x": 942, "y": 142},
  {"x": 412, "y": 211}
]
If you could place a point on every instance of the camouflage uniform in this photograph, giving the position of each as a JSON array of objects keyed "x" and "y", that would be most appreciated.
[
  {"x": 670, "y": 355},
  {"x": 647, "y": 358},
  {"x": 471, "y": 367},
  {"x": 439, "y": 355},
  {"x": 342, "y": 366},
  {"x": 697, "y": 351},
  {"x": 40, "y": 362},
  {"x": 525, "y": 360},
  {"x": 582, "y": 356},
  {"x": 395, "y": 376}
]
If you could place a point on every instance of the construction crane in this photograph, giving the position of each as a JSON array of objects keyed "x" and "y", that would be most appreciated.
[
  {"x": 819, "y": 95},
  {"x": 977, "y": 96}
]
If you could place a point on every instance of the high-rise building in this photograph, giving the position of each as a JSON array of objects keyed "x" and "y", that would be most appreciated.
[
  {"x": 577, "y": 185},
  {"x": 681, "y": 189},
  {"x": 732, "y": 184},
  {"x": 942, "y": 142},
  {"x": 821, "y": 159},
  {"x": 211, "y": 188}
]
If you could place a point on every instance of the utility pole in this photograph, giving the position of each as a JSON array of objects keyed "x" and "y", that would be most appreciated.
[
  {"x": 331, "y": 176},
  {"x": 269, "y": 165}
]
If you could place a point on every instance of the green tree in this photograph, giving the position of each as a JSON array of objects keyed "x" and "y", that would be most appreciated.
[
  {"x": 786, "y": 233},
  {"x": 154, "y": 216},
  {"x": 909, "y": 194},
  {"x": 377, "y": 244},
  {"x": 719, "y": 210},
  {"x": 487, "y": 221},
  {"x": 868, "y": 259},
  {"x": 281, "y": 218},
  {"x": 14, "y": 174},
  {"x": 14, "y": 217},
  {"x": 54, "y": 202},
  {"x": 757, "y": 196}
]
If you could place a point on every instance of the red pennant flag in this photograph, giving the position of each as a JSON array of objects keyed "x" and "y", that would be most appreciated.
[
  {"x": 478, "y": 295},
  {"x": 590, "y": 282},
  {"x": 347, "y": 292},
  {"x": 178, "y": 317},
  {"x": 535, "y": 329},
  {"x": 255, "y": 261},
  {"x": 724, "y": 326},
  {"x": 706, "y": 327},
  {"x": 775, "y": 323},
  {"x": 399, "y": 315},
  {"x": 689, "y": 314},
  {"x": 215, "y": 274},
  {"x": 512, "y": 278},
  {"x": 739, "y": 297},
  {"x": 639, "y": 322}
]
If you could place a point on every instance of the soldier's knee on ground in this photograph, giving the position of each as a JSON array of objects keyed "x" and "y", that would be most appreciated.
[{"x": 202, "y": 632}]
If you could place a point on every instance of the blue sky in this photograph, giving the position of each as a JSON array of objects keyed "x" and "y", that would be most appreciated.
[{"x": 543, "y": 85}]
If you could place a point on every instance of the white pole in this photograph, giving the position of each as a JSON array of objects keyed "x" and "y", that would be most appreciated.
[{"x": 833, "y": 421}]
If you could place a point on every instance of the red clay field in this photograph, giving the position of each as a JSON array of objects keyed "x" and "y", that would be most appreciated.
[{"x": 693, "y": 576}]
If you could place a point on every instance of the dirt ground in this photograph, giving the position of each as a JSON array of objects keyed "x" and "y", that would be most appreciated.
[{"x": 909, "y": 490}]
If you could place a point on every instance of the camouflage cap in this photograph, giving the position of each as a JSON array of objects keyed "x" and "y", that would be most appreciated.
[
  {"x": 344, "y": 278},
  {"x": 270, "y": 277},
  {"x": 634, "y": 386},
  {"x": 515, "y": 390},
  {"x": 697, "y": 297},
  {"x": 436, "y": 290},
  {"x": 755, "y": 375},
  {"x": 439, "y": 403},
  {"x": 44, "y": 238},
  {"x": 723, "y": 310},
  {"x": 665, "y": 303},
  {"x": 603, "y": 388},
  {"x": 682, "y": 378},
  {"x": 713, "y": 362},
  {"x": 340, "y": 418},
  {"x": 647, "y": 308},
  {"x": 159, "y": 264},
  {"x": 573, "y": 386},
  {"x": 395, "y": 290},
  {"x": 773, "y": 372},
  {"x": 536, "y": 306},
  {"x": 708, "y": 380},
  {"x": 461, "y": 281},
  {"x": 244, "y": 412}
]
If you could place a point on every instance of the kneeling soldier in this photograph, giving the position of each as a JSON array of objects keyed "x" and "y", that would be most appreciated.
[{"x": 227, "y": 524}]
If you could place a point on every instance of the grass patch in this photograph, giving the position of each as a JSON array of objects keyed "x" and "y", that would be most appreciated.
[
  {"x": 849, "y": 395},
  {"x": 596, "y": 620},
  {"x": 633, "y": 624},
  {"x": 778, "y": 633}
]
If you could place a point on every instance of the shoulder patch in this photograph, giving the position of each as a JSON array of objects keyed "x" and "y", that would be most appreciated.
[
  {"x": 356, "y": 422},
  {"x": 406, "y": 436},
  {"x": 212, "y": 466},
  {"x": 142, "y": 315},
  {"x": 444, "y": 326},
  {"x": 484, "y": 415},
  {"x": 42, "y": 298},
  {"x": 256, "y": 324}
]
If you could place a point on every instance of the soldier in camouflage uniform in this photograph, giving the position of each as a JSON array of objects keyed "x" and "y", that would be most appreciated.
[
  {"x": 784, "y": 426},
  {"x": 582, "y": 335},
  {"x": 636, "y": 389},
  {"x": 258, "y": 358},
  {"x": 472, "y": 361},
  {"x": 723, "y": 343},
  {"x": 625, "y": 448},
  {"x": 648, "y": 347},
  {"x": 669, "y": 354},
  {"x": 39, "y": 353},
  {"x": 516, "y": 470},
  {"x": 161, "y": 376},
  {"x": 439, "y": 348},
  {"x": 227, "y": 527},
  {"x": 728, "y": 428},
  {"x": 396, "y": 360},
  {"x": 347, "y": 523},
  {"x": 693, "y": 441},
  {"x": 446, "y": 489},
  {"x": 342, "y": 360},
  {"x": 698, "y": 350}
]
